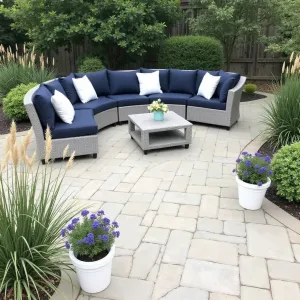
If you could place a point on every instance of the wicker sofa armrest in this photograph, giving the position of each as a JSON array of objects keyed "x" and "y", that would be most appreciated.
[{"x": 235, "y": 94}]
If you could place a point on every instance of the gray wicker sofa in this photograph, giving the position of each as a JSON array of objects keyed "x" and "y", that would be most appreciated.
[{"x": 118, "y": 96}]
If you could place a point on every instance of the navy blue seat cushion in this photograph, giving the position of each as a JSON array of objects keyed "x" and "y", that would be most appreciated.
[
  {"x": 99, "y": 81},
  {"x": 123, "y": 82},
  {"x": 42, "y": 103},
  {"x": 130, "y": 99},
  {"x": 200, "y": 75},
  {"x": 163, "y": 78},
  {"x": 55, "y": 85},
  {"x": 83, "y": 124},
  {"x": 171, "y": 98},
  {"x": 67, "y": 84},
  {"x": 99, "y": 105},
  {"x": 213, "y": 103},
  {"x": 182, "y": 81},
  {"x": 227, "y": 82}
]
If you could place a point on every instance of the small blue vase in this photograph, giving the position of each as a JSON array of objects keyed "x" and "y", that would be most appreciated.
[{"x": 158, "y": 115}]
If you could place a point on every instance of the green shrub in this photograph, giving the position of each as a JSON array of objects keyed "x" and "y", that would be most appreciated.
[
  {"x": 250, "y": 88},
  {"x": 90, "y": 64},
  {"x": 282, "y": 116},
  {"x": 286, "y": 167},
  {"x": 13, "y": 106},
  {"x": 190, "y": 53}
]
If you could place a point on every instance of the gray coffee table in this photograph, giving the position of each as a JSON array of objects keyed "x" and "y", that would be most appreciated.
[{"x": 149, "y": 134}]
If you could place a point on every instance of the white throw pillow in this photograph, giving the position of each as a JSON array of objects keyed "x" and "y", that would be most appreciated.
[
  {"x": 85, "y": 89},
  {"x": 149, "y": 83},
  {"x": 63, "y": 107},
  {"x": 208, "y": 85}
]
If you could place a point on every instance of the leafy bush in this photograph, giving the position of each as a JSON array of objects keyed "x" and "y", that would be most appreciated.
[
  {"x": 250, "y": 88},
  {"x": 254, "y": 169},
  {"x": 281, "y": 116},
  {"x": 13, "y": 106},
  {"x": 90, "y": 64},
  {"x": 286, "y": 166},
  {"x": 91, "y": 236},
  {"x": 190, "y": 53},
  {"x": 31, "y": 218}
]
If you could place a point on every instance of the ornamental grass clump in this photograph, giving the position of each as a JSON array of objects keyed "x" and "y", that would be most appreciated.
[
  {"x": 31, "y": 218},
  {"x": 253, "y": 169},
  {"x": 91, "y": 236},
  {"x": 158, "y": 105}
]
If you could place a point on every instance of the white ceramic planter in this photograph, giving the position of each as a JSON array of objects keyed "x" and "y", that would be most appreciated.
[
  {"x": 251, "y": 196},
  {"x": 95, "y": 276}
]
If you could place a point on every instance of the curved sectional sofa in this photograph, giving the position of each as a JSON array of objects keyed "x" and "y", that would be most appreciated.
[{"x": 118, "y": 97}]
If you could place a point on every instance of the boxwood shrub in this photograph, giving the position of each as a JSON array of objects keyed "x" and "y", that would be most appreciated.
[
  {"x": 90, "y": 64},
  {"x": 190, "y": 53}
]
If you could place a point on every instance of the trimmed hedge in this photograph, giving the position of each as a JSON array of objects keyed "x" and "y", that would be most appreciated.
[
  {"x": 90, "y": 64},
  {"x": 191, "y": 53}
]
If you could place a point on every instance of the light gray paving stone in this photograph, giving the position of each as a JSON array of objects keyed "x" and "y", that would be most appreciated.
[
  {"x": 209, "y": 206},
  {"x": 250, "y": 293},
  {"x": 285, "y": 290},
  {"x": 130, "y": 238},
  {"x": 177, "y": 223},
  {"x": 229, "y": 192},
  {"x": 219, "y": 237},
  {"x": 133, "y": 289},
  {"x": 157, "y": 235},
  {"x": 112, "y": 210},
  {"x": 230, "y": 203},
  {"x": 90, "y": 189},
  {"x": 146, "y": 185},
  {"x": 255, "y": 216},
  {"x": 124, "y": 187},
  {"x": 109, "y": 196},
  {"x": 166, "y": 176},
  {"x": 217, "y": 296},
  {"x": 198, "y": 177},
  {"x": 242, "y": 248},
  {"x": 90, "y": 174},
  {"x": 133, "y": 175},
  {"x": 116, "y": 169},
  {"x": 296, "y": 249},
  {"x": 179, "y": 184},
  {"x": 231, "y": 215},
  {"x": 184, "y": 293},
  {"x": 182, "y": 198},
  {"x": 214, "y": 170},
  {"x": 168, "y": 279},
  {"x": 169, "y": 209},
  {"x": 159, "y": 258},
  {"x": 211, "y": 277},
  {"x": 253, "y": 272},
  {"x": 148, "y": 218},
  {"x": 221, "y": 182},
  {"x": 201, "y": 165},
  {"x": 210, "y": 225},
  {"x": 153, "y": 273},
  {"x": 144, "y": 259},
  {"x": 165, "y": 185},
  {"x": 78, "y": 182},
  {"x": 123, "y": 252},
  {"x": 269, "y": 242},
  {"x": 219, "y": 252},
  {"x": 135, "y": 209},
  {"x": 185, "y": 168},
  {"x": 112, "y": 182},
  {"x": 121, "y": 266},
  {"x": 128, "y": 221},
  {"x": 139, "y": 197},
  {"x": 284, "y": 270},
  {"x": 157, "y": 200},
  {"x": 122, "y": 156},
  {"x": 188, "y": 211},
  {"x": 271, "y": 221},
  {"x": 203, "y": 190},
  {"x": 177, "y": 247},
  {"x": 170, "y": 166},
  {"x": 234, "y": 228},
  {"x": 294, "y": 237}
]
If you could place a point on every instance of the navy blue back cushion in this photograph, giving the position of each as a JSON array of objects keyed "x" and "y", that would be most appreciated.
[
  {"x": 55, "y": 85},
  {"x": 67, "y": 84},
  {"x": 123, "y": 82},
  {"x": 42, "y": 103},
  {"x": 200, "y": 75},
  {"x": 99, "y": 81},
  {"x": 163, "y": 78},
  {"x": 182, "y": 81},
  {"x": 227, "y": 82}
]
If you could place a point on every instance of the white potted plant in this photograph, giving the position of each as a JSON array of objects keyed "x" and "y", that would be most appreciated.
[
  {"x": 159, "y": 109},
  {"x": 90, "y": 240},
  {"x": 253, "y": 178}
]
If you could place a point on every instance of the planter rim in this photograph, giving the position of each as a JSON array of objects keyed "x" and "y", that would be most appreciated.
[
  {"x": 253, "y": 186},
  {"x": 92, "y": 264}
]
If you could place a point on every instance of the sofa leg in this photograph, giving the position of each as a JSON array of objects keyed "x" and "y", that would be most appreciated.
[
  {"x": 95, "y": 155},
  {"x": 43, "y": 162}
]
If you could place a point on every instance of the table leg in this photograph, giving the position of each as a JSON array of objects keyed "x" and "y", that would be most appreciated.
[
  {"x": 188, "y": 135},
  {"x": 131, "y": 126}
]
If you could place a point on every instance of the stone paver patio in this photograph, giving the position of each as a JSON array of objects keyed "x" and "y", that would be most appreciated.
[{"x": 183, "y": 234}]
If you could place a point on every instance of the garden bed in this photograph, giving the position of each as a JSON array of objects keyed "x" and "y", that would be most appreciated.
[
  {"x": 251, "y": 97},
  {"x": 292, "y": 208}
]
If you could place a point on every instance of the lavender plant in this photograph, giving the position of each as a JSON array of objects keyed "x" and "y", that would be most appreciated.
[
  {"x": 91, "y": 235},
  {"x": 253, "y": 169}
]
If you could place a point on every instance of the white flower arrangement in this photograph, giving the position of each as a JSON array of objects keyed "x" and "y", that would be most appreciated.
[{"x": 158, "y": 105}]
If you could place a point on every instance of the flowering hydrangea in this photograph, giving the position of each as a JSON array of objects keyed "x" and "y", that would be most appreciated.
[
  {"x": 158, "y": 106},
  {"x": 254, "y": 169},
  {"x": 91, "y": 234}
]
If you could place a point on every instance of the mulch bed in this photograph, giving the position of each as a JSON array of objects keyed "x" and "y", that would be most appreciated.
[
  {"x": 290, "y": 207},
  {"x": 251, "y": 97},
  {"x": 5, "y": 125}
]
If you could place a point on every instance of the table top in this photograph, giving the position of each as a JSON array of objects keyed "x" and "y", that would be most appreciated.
[{"x": 171, "y": 121}]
